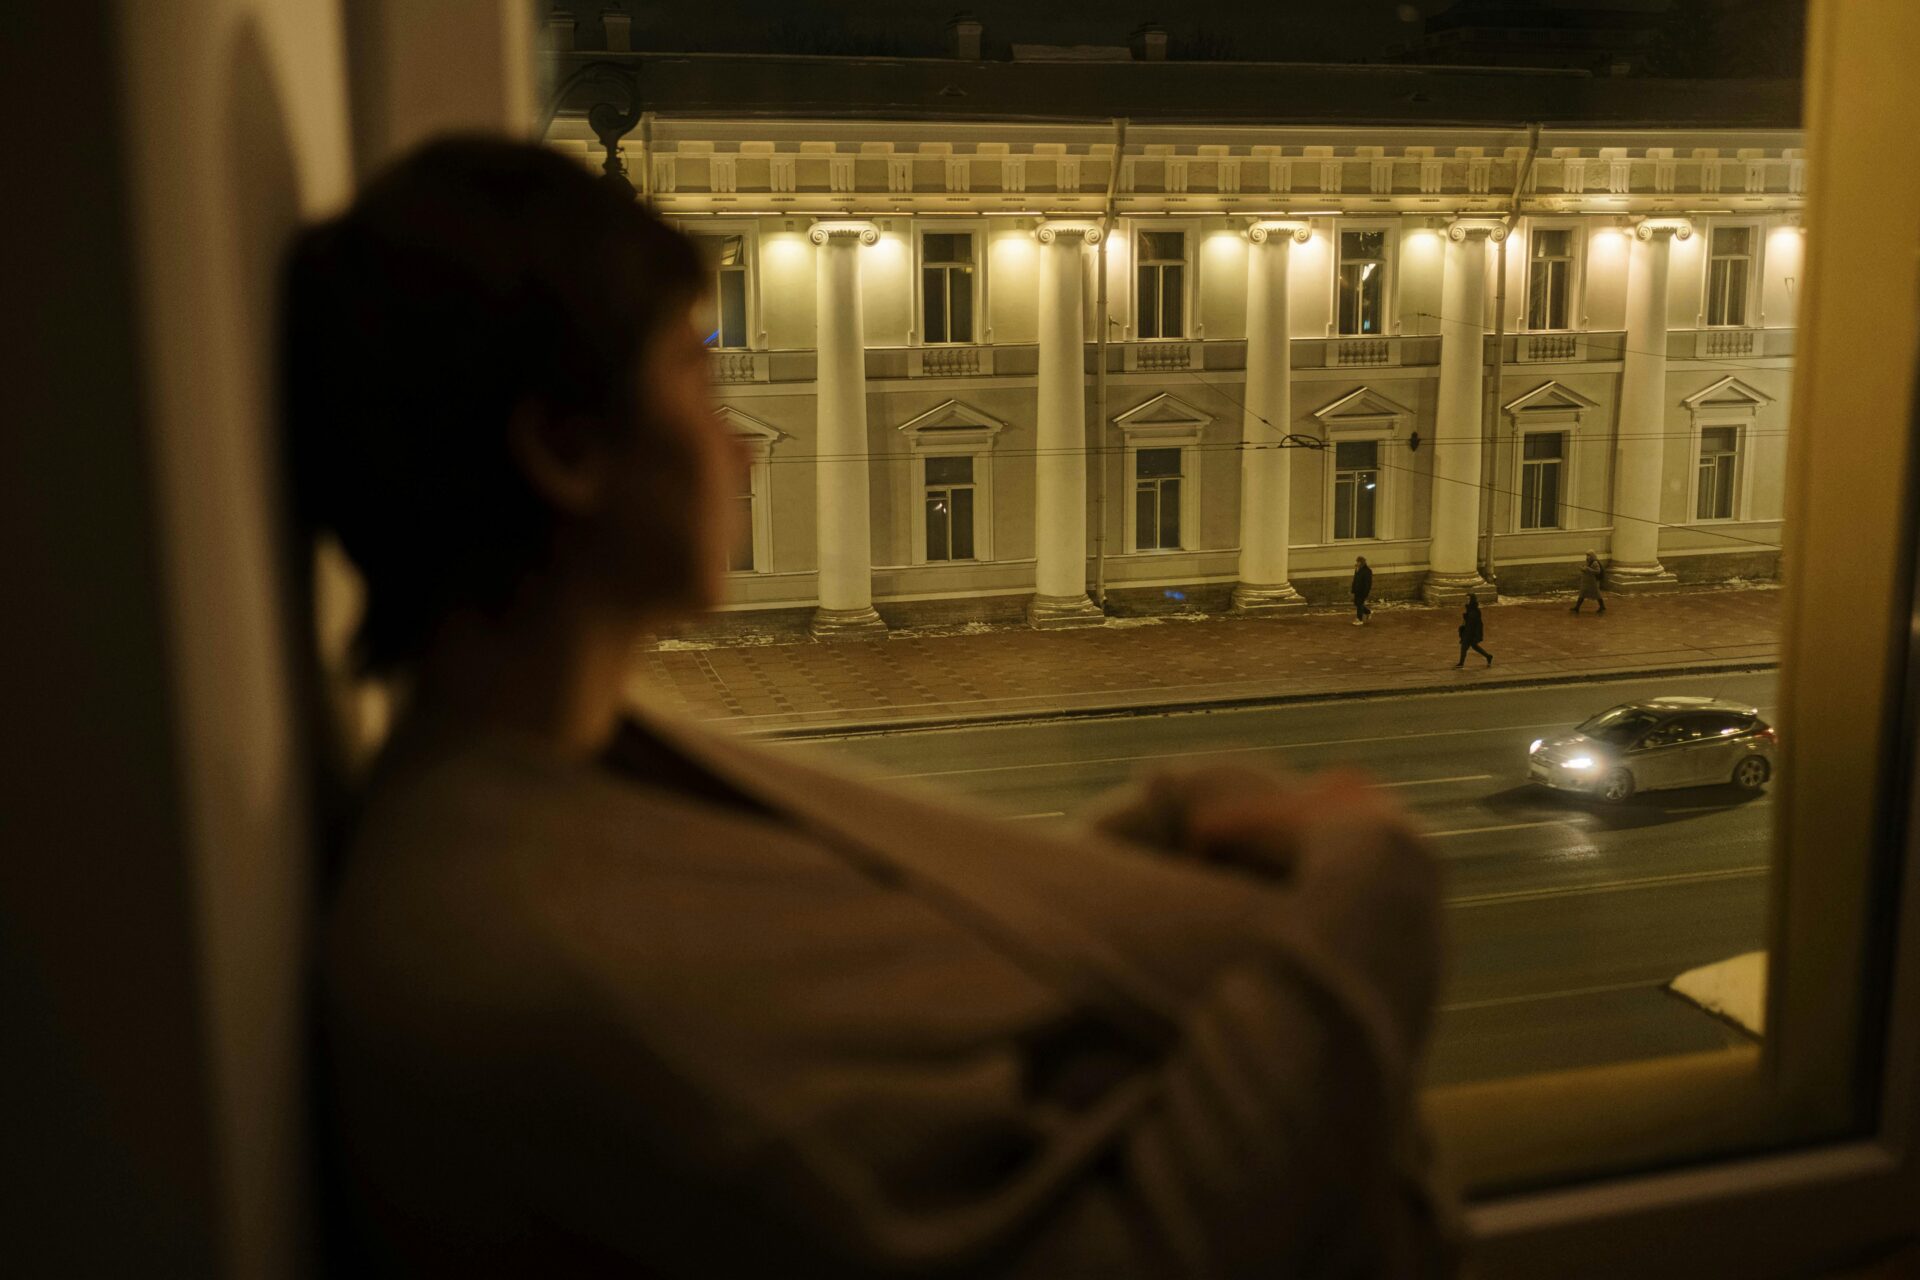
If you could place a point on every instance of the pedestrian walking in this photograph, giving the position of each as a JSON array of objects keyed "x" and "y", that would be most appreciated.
[
  {"x": 1472, "y": 631},
  {"x": 1593, "y": 576},
  {"x": 1362, "y": 588}
]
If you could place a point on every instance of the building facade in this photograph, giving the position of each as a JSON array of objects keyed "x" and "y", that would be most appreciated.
[{"x": 1312, "y": 353}]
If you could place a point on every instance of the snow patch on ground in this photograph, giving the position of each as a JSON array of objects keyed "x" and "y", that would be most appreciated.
[
  {"x": 752, "y": 641},
  {"x": 1734, "y": 989}
]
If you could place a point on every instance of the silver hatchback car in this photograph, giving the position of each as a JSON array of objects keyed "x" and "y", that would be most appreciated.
[{"x": 1656, "y": 744}]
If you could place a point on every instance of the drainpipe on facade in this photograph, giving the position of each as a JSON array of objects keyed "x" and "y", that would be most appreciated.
[
  {"x": 1490, "y": 469},
  {"x": 1100, "y": 373}
]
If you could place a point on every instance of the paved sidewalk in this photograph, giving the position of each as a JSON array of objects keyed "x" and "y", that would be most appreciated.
[{"x": 985, "y": 673}]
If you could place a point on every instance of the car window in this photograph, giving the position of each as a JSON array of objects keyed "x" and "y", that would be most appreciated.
[
  {"x": 1721, "y": 723},
  {"x": 1620, "y": 725},
  {"x": 1666, "y": 735}
]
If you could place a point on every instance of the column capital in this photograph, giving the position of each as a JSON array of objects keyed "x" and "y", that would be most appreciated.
[
  {"x": 1494, "y": 229},
  {"x": 1648, "y": 228},
  {"x": 857, "y": 229},
  {"x": 1053, "y": 228},
  {"x": 1299, "y": 229}
]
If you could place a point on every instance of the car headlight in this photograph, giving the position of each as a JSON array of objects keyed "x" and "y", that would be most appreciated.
[
  {"x": 1578, "y": 762},
  {"x": 1537, "y": 744}
]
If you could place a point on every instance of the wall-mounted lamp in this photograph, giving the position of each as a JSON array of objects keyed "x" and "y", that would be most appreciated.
[{"x": 1413, "y": 441}]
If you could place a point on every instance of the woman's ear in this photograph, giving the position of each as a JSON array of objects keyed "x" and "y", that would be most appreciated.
[{"x": 562, "y": 456}]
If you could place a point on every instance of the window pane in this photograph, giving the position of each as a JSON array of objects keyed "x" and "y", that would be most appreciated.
[
  {"x": 1163, "y": 245},
  {"x": 1146, "y": 517},
  {"x": 1736, "y": 296},
  {"x": 733, "y": 309},
  {"x": 1172, "y": 302},
  {"x": 1552, "y": 242},
  {"x": 959, "y": 305},
  {"x": 937, "y": 524},
  {"x": 1351, "y": 454},
  {"x": 1544, "y": 444},
  {"x": 1157, "y": 462},
  {"x": 1169, "y": 514},
  {"x": 945, "y": 247},
  {"x": 1366, "y": 488},
  {"x": 1148, "y": 300},
  {"x": 740, "y": 554},
  {"x": 1343, "y": 507},
  {"x": 962, "y": 517},
  {"x": 1360, "y": 297},
  {"x": 1362, "y": 244},
  {"x": 1732, "y": 240},
  {"x": 721, "y": 251},
  {"x": 933, "y": 305},
  {"x": 1719, "y": 439},
  {"x": 943, "y": 471}
]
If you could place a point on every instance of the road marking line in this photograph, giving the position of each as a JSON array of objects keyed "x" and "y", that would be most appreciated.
[
  {"x": 1499, "y": 1001},
  {"x": 1434, "y": 782},
  {"x": 1225, "y": 751},
  {"x": 1511, "y": 826},
  {"x": 1051, "y": 813},
  {"x": 1608, "y": 886}
]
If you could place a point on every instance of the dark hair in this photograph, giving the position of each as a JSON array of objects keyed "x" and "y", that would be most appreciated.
[{"x": 474, "y": 276}]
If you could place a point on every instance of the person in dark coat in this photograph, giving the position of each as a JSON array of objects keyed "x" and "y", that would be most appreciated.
[
  {"x": 1593, "y": 576},
  {"x": 1472, "y": 631},
  {"x": 1362, "y": 588}
]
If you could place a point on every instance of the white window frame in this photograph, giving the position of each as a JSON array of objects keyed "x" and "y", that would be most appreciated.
[
  {"x": 1389, "y": 289},
  {"x": 951, "y": 429},
  {"x": 749, "y": 232},
  {"x": 1729, "y": 402},
  {"x": 760, "y": 440},
  {"x": 971, "y": 227},
  {"x": 1163, "y": 422},
  {"x": 1549, "y": 407},
  {"x": 1381, "y": 443},
  {"x": 1756, "y": 241},
  {"x": 1564, "y": 479},
  {"x": 1750, "y": 1162},
  {"x": 1363, "y": 414},
  {"x": 1189, "y": 229},
  {"x": 1576, "y": 273}
]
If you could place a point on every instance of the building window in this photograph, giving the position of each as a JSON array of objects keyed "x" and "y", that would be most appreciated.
[
  {"x": 1719, "y": 467},
  {"x": 1363, "y": 282},
  {"x": 725, "y": 319},
  {"x": 740, "y": 557},
  {"x": 1729, "y": 268},
  {"x": 1542, "y": 459},
  {"x": 1550, "y": 278},
  {"x": 949, "y": 503},
  {"x": 946, "y": 286},
  {"x": 1162, "y": 284},
  {"x": 1156, "y": 500},
  {"x": 1356, "y": 488}
]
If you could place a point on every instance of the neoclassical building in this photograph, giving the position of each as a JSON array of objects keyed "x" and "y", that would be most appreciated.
[{"x": 1311, "y": 352}]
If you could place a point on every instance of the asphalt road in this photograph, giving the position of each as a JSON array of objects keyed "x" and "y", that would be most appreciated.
[{"x": 1566, "y": 916}]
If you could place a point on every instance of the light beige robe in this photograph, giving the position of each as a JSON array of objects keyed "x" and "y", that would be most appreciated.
[{"x": 582, "y": 1025}]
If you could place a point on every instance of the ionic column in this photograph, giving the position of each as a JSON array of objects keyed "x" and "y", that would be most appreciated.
[
  {"x": 845, "y": 541},
  {"x": 1643, "y": 413},
  {"x": 1454, "y": 558},
  {"x": 1060, "y": 468},
  {"x": 1266, "y": 469}
]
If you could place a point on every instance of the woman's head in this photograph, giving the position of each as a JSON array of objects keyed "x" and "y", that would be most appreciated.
[{"x": 491, "y": 373}]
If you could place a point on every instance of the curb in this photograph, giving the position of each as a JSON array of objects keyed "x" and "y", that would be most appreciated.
[{"x": 897, "y": 724}]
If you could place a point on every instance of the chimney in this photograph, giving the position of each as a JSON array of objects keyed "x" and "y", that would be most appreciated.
[
  {"x": 963, "y": 37},
  {"x": 619, "y": 27},
  {"x": 1150, "y": 42},
  {"x": 560, "y": 31}
]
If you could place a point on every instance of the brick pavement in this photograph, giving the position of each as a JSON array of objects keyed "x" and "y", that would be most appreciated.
[{"x": 1008, "y": 672}]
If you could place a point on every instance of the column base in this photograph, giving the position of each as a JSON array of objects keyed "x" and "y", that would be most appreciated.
[
  {"x": 847, "y": 624},
  {"x": 1452, "y": 588},
  {"x": 1055, "y": 613},
  {"x": 1251, "y": 597},
  {"x": 1639, "y": 579}
]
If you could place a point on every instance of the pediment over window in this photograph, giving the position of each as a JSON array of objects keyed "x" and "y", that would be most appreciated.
[
  {"x": 951, "y": 419},
  {"x": 1728, "y": 393},
  {"x": 745, "y": 424},
  {"x": 1549, "y": 400},
  {"x": 1363, "y": 408},
  {"x": 1165, "y": 412}
]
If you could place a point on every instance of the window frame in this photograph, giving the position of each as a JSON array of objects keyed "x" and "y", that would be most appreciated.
[
  {"x": 1161, "y": 422},
  {"x": 1379, "y": 443},
  {"x": 1189, "y": 276},
  {"x": 1789, "y": 1160},
  {"x": 1576, "y": 273},
  {"x": 1756, "y": 249},
  {"x": 972, "y": 228},
  {"x": 951, "y": 429},
  {"x": 748, "y": 230},
  {"x": 1159, "y": 483},
  {"x": 1565, "y": 430},
  {"x": 972, "y": 486},
  {"x": 760, "y": 440},
  {"x": 1390, "y": 264},
  {"x": 1737, "y": 503}
]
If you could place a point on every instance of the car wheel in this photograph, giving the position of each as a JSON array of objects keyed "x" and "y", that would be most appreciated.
[
  {"x": 1752, "y": 773},
  {"x": 1617, "y": 786}
]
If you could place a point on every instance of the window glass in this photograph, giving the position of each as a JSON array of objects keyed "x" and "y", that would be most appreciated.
[
  {"x": 724, "y": 309},
  {"x": 1363, "y": 282},
  {"x": 740, "y": 555},
  {"x": 1619, "y": 725},
  {"x": 1157, "y": 475},
  {"x": 1719, "y": 460},
  {"x": 1727, "y": 275},
  {"x": 949, "y": 508},
  {"x": 1542, "y": 456},
  {"x": 946, "y": 287},
  {"x": 1356, "y": 487}
]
